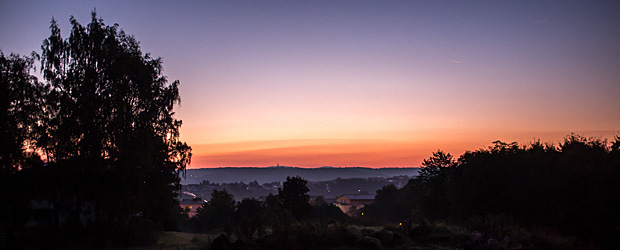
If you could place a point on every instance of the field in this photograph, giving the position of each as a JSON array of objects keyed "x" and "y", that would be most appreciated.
[{"x": 179, "y": 240}]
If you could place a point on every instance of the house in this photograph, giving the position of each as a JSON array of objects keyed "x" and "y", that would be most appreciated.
[
  {"x": 189, "y": 203},
  {"x": 190, "y": 207},
  {"x": 351, "y": 202}
]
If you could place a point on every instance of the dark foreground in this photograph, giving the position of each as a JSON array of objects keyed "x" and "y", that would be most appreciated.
[{"x": 436, "y": 236}]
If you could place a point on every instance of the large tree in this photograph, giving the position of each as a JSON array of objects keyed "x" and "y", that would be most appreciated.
[
  {"x": 20, "y": 96},
  {"x": 217, "y": 213},
  {"x": 110, "y": 108},
  {"x": 20, "y": 93},
  {"x": 572, "y": 188},
  {"x": 103, "y": 122},
  {"x": 110, "y": 100},
  {"x": 294, "y": 197}
]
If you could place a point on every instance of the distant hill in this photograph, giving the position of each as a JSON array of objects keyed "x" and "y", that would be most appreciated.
[{"x": 271, "y": 174}]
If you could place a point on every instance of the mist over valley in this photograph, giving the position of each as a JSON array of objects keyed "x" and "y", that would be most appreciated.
[{"x": 279, "y": 174}]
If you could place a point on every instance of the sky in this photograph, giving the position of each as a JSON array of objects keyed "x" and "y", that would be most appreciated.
[{"x": 363, "y": 83}]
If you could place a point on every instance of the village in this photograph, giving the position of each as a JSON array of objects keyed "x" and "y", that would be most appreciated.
[{"x": 350, "y": 194}]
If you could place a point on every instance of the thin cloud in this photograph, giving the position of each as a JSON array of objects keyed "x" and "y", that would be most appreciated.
[{"x": 455, "y": 61}]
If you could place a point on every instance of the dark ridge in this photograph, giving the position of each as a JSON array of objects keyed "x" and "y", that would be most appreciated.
[{"x": 279, "y": 173}]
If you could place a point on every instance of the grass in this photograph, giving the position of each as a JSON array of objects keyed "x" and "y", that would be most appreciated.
[{"x": 178, "y": 241}]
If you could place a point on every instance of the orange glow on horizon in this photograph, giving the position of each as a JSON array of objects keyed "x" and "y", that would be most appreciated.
[
  {"x": 375, "y": 153},
  {"x": 317, "y": 83}
]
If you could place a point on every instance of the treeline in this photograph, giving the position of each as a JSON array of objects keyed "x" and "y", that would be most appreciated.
[
  {"x": 327, "y": 189},
  {"x": 572, "y": 189},
  {"x": 287, "y": 220},
  {"x": 91, "y": 156},
  {"x": 270, "y": 220},
  {"x": 507, "y": 196}
]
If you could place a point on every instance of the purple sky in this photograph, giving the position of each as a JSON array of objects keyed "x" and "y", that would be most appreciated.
[{"x": 270, "y": 76}]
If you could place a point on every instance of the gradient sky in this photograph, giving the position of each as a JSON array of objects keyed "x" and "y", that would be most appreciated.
[{"x": 364, "y": 83}]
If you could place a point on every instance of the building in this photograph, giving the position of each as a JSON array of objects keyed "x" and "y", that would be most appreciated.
[
  {"x": 351, "y": 202},
  {"x": 190, "y": 203},
  {"x": 190, "y": 207}
]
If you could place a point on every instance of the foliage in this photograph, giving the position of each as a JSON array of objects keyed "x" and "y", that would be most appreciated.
[
  {"x": 425, "y": 195},
  {"x": 272, "y": 222},
  {"x": 435, "y": 166},
  {"x": 327, "y": 214},
  {"x": 294, "y": 197},
  {"x": 217, "y": 213},
  {"x": 544, "y": 185},
  {"x": 571, "y": 188},
  {"x": 103, "y": 123},
  {"x": 390, "y": 206},
  {"x": 108, "y": 101},
  {"x": 248, "y": 218},
  {"x": 20, "y": 96}
]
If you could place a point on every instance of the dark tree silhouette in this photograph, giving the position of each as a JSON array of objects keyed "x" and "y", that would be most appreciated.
[
  {"x": 277, "y": 217},
  {"x": 572, "y": 188},
  {"x": 428, "y": 190},
  {"x": 20, "y": 111},
  {"x": 435, "y": 165},
  {"x": 294, "y": 197},
  {"x": 112, "y": 107},
  {"x": 109, "y": 100},
  {"x": 217, "y": 213},
  {"x": 248, "y": 218},
  {"x": 104, "y": 124},
  {"x": 326, "y": 213},
  {"x": 390, "y": 205},
  {"x": 20, "y": 94}
]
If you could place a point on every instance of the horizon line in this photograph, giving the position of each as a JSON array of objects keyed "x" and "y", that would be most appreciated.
[{"x": 283, "y": 166}]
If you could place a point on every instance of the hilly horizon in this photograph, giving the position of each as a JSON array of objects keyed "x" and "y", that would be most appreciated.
[
  {"x": 279, "y": 173},
  {"x": 398, "y": 125}
]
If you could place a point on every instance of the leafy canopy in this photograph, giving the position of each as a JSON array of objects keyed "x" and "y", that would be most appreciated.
[{"x": 108, "y": 101}]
